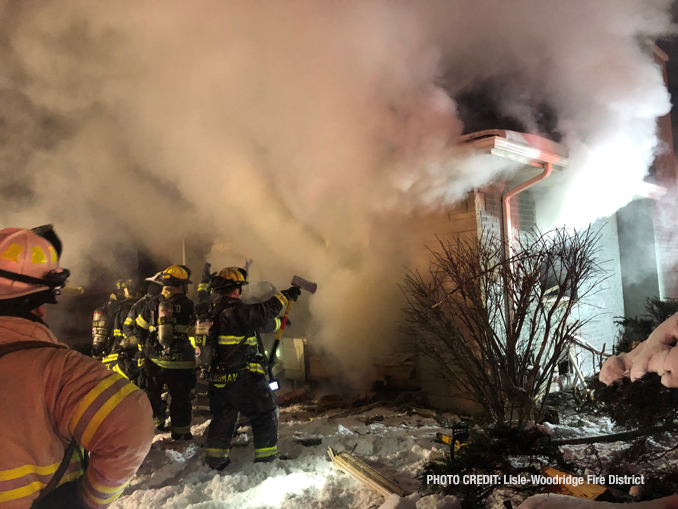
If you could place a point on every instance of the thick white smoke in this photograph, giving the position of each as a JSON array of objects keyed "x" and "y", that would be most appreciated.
[{"x": 304, "y": 133}]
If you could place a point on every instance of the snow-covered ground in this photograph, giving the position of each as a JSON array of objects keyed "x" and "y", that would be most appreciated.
[{"x": 175, "y": 476}]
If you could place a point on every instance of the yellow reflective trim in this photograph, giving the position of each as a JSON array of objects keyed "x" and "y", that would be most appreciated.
[
  {"x": 117, "y": 369},
  {"x": 281, "y": 298},
  {"x": 217, "y": 453},
  {"x": 103, "y": 412},
  {"x": 230, "y": 340},
  {"x": 278, "y": 323},
  {"x": 141, "y": 322},
  {"x": 266, "y": 451},
  {"x": 24, "y": 491},
  {"x": 129, "y": 321},
  {"x": 110, "y": 358},
  {"x": 12, "y": 253},
  {"x": 14, "y": 473},
  {"x": 70, "y": 477},
  {"x": 202, "y": 287},
  {"x": 100, "y": 501},
  {"x": 53, "y": 254},
  {"x": 89, "y": 399},
  {"x": 105, "y": 489},
  {"x": 256, "y": 368},
  {"x": 38, "y": 256},
  {"x": 174, "y": 364}
]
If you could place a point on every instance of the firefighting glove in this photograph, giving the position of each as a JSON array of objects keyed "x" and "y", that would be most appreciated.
[
  {"x": 292, "y": 293},
  {"x": 207, "y": 276}
]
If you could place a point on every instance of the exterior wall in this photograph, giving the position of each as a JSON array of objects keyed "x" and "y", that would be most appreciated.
[
  {"x": 608, "y": 300},
  {"x": 460, "y": 222},
  {"x": 637, "y": 249},
  {"x": 666, "y": 244},
  {"x": 666, "y": 219}
]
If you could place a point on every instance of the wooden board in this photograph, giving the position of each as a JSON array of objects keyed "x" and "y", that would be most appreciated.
[{"x": 365, "y": 474}]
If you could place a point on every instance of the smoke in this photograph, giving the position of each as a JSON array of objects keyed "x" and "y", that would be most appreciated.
[{"x": 306, "y": 133}]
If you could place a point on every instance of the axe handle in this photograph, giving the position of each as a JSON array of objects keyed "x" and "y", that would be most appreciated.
[{"x": 271, "y": 356}]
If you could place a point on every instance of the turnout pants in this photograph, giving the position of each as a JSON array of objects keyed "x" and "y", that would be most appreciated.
[
  {"x": 180, "y": 383},
  {"x": 251, "y": 396}
]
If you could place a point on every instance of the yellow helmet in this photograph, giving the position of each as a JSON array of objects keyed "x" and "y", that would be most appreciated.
[
  {"x": 175, "y": 275},
  {"x": 235, "y": 274},
  {"x": 228, "y": 279}
]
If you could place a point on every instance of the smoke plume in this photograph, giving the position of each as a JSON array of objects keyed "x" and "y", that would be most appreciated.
[{"x": 305, "y": 134}]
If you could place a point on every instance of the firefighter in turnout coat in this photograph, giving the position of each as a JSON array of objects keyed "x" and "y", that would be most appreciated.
[
  {"x": 170, "y": 357},
  {"x": 116, "y": 355},
  {"x": 56, "y": 401},
  {"x": 237, "y": 377},
  {"x": 106, "y": 339},
  {"x": 133, "y": 360}
]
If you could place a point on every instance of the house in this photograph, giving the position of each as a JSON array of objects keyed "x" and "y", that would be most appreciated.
[{"x": 639, "y": 242}]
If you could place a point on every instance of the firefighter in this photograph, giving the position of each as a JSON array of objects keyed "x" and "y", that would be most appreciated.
[
  {"x": 131, "y": 359},
  {"x": 162, "y": 326},
  {"x": 56, "y": 401},
  {"x": 109, "y": 320},
  {"x": 237, "y": 377}
]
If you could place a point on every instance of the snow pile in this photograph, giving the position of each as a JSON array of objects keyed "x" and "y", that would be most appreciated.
[
  {"x": 655, "y": 355},
  {"x": 174, "y": 475}
]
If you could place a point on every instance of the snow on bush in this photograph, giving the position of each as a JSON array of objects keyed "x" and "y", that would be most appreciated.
[{"x": 658, "y": 354}]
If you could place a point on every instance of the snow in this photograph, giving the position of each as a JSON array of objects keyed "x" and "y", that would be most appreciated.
[
  {"x": 658, "y": 354},
  {"x": 546, "y": 501},
  {"x": 174, "y": 475}
]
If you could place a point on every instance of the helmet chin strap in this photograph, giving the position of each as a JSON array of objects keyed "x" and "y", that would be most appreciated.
[{"x": 54, "y": 279}]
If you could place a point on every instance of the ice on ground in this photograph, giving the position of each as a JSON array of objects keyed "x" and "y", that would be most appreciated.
[{"x": 174, "y": 475}]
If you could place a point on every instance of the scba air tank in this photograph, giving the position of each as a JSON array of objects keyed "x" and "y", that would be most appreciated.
[
  {"x": 100, "y": 330},
  {"x": 203, "y": 343},
  {"x": 165, "y": 323}
]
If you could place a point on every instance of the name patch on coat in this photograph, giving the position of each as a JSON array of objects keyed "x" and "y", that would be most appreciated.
[{"x": 223, "y": 378}]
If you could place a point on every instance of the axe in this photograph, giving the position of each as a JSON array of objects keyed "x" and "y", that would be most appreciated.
[{"x": 304, "y": 285}]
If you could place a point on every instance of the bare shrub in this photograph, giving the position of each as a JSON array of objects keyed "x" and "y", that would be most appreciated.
[{"x": 496, "y": 326}]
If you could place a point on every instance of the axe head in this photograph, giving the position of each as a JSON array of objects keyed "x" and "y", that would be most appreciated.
[{"x": 304, "y": 285}]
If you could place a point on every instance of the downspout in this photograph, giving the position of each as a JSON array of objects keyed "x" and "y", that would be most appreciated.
[
  {"x": 506, "y": 230},
  {"x": 506, "y": 205},
  {"x": 506, "y": 235}
]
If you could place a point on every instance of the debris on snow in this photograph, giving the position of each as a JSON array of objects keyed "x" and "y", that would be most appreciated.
[{"x": 174, "y": 475}]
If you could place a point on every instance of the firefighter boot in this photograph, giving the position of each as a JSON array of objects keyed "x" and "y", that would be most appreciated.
[{"x": 218, "y": 464}]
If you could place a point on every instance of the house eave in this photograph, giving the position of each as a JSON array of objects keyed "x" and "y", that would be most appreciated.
[{"x": 524, "y": 148}]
